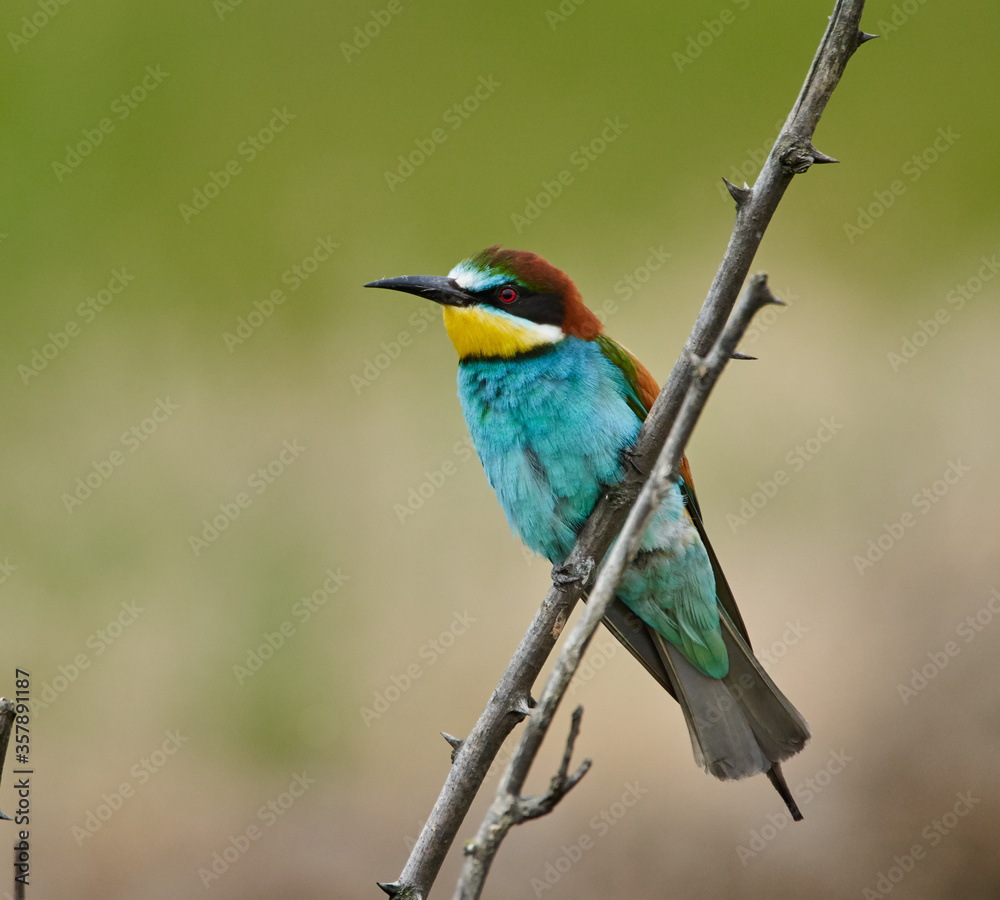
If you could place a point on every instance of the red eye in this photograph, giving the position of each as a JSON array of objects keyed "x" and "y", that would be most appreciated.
[{"x": 508, "y": 295}]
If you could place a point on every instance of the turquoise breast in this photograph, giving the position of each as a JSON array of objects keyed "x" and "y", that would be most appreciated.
[{"x": 549, "y": 429}]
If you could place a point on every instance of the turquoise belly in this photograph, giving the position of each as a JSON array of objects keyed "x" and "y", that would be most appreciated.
[{"x": 550, "y": 430}]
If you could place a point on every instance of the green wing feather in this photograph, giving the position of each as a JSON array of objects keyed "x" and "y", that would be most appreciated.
[{"x": 625, "y": 362}]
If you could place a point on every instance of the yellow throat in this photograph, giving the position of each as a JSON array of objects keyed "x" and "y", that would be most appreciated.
[{"x": 478, "y": 332}]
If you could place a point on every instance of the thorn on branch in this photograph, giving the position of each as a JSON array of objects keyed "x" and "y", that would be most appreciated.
[
  {"x": 393, "y": 889},
  {"x": 737, "y": 355},
  {"x": 864, "y": 37},
  {"x": 798, "y": 154},
  {"x": 454, "y": 742},
  {"x": 739, "y": 194},
  {"x": 819, "y": 157},
  {"x": 522, "y": 706}
]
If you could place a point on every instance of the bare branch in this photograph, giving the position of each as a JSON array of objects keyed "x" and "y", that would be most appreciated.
[{"x": 792, "y": 153}]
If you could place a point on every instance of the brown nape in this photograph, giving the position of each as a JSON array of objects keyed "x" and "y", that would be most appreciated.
[{"x": 577, "y": 319}]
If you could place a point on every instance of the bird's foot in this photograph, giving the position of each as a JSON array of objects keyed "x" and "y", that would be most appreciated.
[
  {"x": 565, "y": 574},
  {"x": 631, "y": 455}
]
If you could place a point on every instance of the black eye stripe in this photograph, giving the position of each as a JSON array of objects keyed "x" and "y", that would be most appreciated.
[{"x": 543, "y": 309}]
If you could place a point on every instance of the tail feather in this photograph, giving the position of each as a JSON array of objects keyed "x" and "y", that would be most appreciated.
[
  {"x": 739, "y": 725},
  {"x": 722, "y": 738},
  {"x": 779, "y": 727}
]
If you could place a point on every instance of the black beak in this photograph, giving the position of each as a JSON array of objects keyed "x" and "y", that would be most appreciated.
[{"x": 431, "y": 287}]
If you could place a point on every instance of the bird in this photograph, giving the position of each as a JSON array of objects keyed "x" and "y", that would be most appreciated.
[{"x": 553, "y": 406}]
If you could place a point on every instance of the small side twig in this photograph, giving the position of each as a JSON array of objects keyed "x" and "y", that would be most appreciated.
[
  {"x": 562, "y": 783},
  {"x": 509, "y": 810}
]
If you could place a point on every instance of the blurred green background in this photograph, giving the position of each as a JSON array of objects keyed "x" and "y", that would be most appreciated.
[{"x": 169, "y": 724}]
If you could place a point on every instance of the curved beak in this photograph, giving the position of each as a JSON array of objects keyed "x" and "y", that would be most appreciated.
[{"x": 431, "y": 287}]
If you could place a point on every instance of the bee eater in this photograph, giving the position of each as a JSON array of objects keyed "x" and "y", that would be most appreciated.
[{"x": 554, "y": 407}]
